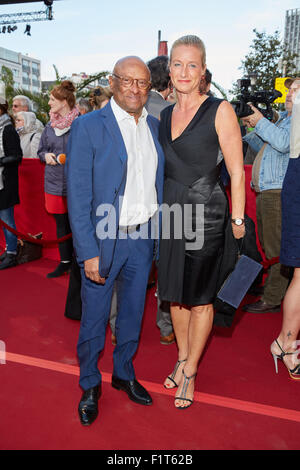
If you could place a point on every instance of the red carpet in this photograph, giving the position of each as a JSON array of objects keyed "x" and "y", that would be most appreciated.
[{"x": 240, "y": 402}]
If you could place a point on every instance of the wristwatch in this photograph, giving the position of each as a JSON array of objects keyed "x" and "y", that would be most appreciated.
[{"x": 238, "y": 221}]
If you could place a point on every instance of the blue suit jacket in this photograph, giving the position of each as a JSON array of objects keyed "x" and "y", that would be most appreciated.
[{"x": 96, "y": 172}]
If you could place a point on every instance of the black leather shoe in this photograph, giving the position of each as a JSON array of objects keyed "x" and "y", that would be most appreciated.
[
  {"x": 261, "y": 307},
  {"x": 62, "y": 268},
  {"x": 88, "y": 405},
  {"x": 2, "y": 256},
  {"x": 134, "y": 390},
  {"x": 9, "y": 261}
]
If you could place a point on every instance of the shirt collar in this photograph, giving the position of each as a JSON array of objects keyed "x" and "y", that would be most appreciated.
[
  {"x": 283, "y": 115},
  {"x": 121, "y": 114}
]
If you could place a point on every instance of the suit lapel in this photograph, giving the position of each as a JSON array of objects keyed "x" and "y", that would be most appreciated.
[
  {"x": 111, "y": 125},
  {"x": 154, "y": 135}
]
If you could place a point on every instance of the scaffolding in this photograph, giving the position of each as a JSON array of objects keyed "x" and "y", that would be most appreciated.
[{"x": 28, "y": 17}]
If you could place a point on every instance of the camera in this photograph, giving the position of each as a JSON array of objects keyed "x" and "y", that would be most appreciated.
[{"x": 241, "y": 107}]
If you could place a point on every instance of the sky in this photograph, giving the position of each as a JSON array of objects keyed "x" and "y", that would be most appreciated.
[{"x": 91, "y": 35}]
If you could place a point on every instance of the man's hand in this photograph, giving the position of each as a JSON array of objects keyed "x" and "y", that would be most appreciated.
[
  {"x": 253, "y": 119},
  {"x": 91, "y": 269}
]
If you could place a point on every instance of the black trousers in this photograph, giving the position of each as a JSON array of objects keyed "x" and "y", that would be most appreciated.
[
  {"x": 73, "y": 306},
  {"x": 63, "y": 228}
]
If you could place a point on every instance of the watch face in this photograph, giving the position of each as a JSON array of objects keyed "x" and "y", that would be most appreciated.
[{"x": 238, "y": 221}]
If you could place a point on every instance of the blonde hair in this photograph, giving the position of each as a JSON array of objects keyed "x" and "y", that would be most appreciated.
[
  {"x": 190, "y": 40},
  {"x": 99, "y": 95}
]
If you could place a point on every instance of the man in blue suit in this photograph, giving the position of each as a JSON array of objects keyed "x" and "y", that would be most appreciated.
[{"x": 115, "y": 181}]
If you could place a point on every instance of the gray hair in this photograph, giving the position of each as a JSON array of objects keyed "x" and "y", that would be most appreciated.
[
  {"x": 20, "y": 114},
  {"x": 190, "y": 40},
  {"x": 25, "y": 101},
  {"x": 85, "y": 104}
]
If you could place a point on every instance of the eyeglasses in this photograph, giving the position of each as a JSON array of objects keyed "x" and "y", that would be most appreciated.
[{"x": 128, "y": 82}]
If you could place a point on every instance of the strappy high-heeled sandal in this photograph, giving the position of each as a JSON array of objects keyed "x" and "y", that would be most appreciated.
[
  {"x": 294, "y": 373},
  {"x": 171, "y": 377},
  {"x": 186, "y": 383}
]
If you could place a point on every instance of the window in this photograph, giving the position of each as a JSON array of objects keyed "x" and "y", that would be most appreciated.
[
  {"x": 11, "y": 56},
  {"x": 26, "y": 81},
  {"x": 35, "y": 83}
]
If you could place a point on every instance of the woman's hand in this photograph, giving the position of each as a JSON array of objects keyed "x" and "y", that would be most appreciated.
[
  {"x": 50, "y": 159},
  {"x": 238, "y": 230}
]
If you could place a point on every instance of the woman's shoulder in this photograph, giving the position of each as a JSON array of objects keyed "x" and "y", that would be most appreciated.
[
  {"x": 10, "y": 131},
  {"x": 214, "y": 101},
  {"x": 48, "y": 129},
  {"x": 166, "y": 112}
]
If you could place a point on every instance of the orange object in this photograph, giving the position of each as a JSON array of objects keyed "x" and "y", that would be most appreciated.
[{"x": 61, "y": 158}]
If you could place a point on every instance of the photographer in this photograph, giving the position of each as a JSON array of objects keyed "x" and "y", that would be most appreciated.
[{"x": 272, "y": 142}]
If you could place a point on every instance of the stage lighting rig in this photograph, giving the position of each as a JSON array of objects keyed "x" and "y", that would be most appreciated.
[
  {"x": 28, "y": 17},
  {"x": 9, "y": 28},
  {"x": 27, "y": 30}
]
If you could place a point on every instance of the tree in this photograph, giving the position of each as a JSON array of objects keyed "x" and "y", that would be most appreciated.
[
  {"x": 81, "y": 91},
  {"x": 40, "y": 103},
  {"x": 40, "y": 100},
  {"x": 220, "y": 89},
  {"x": 8, "y": 80},
  {"x": 267, "y": 52}
]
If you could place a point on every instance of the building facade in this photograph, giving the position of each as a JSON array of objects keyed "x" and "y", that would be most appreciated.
[
  {"x": 292, "y": 33},
  {"x": 26, "y": 70}
]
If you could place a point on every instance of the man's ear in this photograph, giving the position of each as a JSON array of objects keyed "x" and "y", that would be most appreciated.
[{"x": 111, "y": 82}]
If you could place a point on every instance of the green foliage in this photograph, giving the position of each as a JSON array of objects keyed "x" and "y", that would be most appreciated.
[
  {"x": 8, "y": 79},
  {"x": 80, "y": 91},
  {"x": 58, "y": 78},
  {"x": 80, "y": 87},
  {"x": 40, "y": 101},
  {"x": 267, "y": 53},
  {"x": 220, "y": 89}
]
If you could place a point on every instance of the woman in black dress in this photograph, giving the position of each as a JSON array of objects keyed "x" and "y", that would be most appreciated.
[
  {"x": 285, "y": 346},
  {"x": 192, "y": 132}
]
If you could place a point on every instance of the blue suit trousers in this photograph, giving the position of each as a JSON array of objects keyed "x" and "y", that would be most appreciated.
[{"x": 130, "y": 270}]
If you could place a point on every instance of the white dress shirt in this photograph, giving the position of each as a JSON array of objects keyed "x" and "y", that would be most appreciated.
[{"x": 140, "y": 197}]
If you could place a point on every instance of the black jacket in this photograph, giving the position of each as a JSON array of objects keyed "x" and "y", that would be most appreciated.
[
  {"x": 224, "y": 313},
  {"x": 9, "y": 195}
]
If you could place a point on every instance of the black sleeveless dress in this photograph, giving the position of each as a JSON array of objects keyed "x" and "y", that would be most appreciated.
[{"x": 191, "y": 246}]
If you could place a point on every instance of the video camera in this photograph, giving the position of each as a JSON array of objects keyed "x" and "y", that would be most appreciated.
[{"x": 242, "y": 109}]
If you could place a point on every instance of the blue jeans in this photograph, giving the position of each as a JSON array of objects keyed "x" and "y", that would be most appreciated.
[{"x": 7, "y": 215}]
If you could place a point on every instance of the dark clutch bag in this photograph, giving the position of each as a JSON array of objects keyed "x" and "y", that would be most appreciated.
[
  {"x": 239, "y": 281},
  {"x": 28, "y": 251}
]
